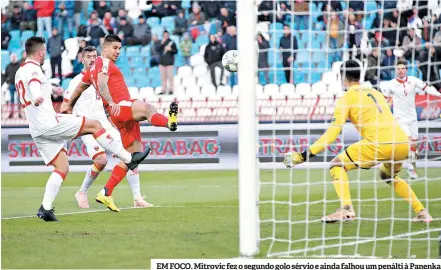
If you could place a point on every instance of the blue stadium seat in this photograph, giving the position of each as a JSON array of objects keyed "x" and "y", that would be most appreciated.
[
  {"x": 130, "y": 81},
  {"x": 274, "y": 57},
  {"x": 65, "y": 83},
  {"x": 315, "y": 76},
  {"x": 123, "y": 62},
  {"x": 201, "y": 40},
  {"x": 194, "y": 49},
  {"x": 122, "y": 52},
  {"x": 25, "y": 35},
  {"x": 179, "y": 60},
  {"x": 145, "y": 51},
  {"x": 318, "y": 56},
  {"x": 303, "y": 57},
  {"x": 15, "y": 34},
  {"x": 277, "y": 77},
  {"x": 176, "y": 39},
  {"x": 133, "y": 51},
  {"x": 371, "y": 6},
  {"x": 185, "y": 4},
  {"x": 153, "y": 22},
  {"x": 168, "y": 23},
  {"x": 136, "y": 62},
  {"x": 140, "y": 72},
  {"x": 158, "y": 30},
  {"x": 299, "y": 76},
  {"x": 5, "y": 59}
]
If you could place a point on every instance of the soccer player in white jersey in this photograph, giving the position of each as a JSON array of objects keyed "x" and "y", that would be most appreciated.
[
  {"x": 402, "y": 90},
  {"x": 50, "y": 131},
  {"x": 90, "y": 104}
]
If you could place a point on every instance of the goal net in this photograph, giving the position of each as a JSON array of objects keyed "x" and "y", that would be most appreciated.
[{"x": 301, "y": 46}]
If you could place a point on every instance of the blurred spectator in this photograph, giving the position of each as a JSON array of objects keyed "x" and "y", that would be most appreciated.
[
  {"x": 262, "y": 63},
  {"x": 387, "y": 66},
  {"x": 403, "y": 5},
  {"x": 77, "y": 13},
  {"x": 357, "y": 7},
  {"x": 266, "y": 11},
  {"x": 414, "y": 21},
  {"x": 45, "y": 9},
  {"x": 77, "y": 66},
  {"x": 55, "y": 47},
  {"x": 226, "y": 18},
  {"x": 354, "y": 34},
  {"x": 157, "y": 10},
  {"x": 23, "y": 57},
  {"x": 428, "y": 28},
  {"x": 65, "y": 16},
  {"x": 29, "y": 18},
  {"x": 411, "y": 44},
  {"x": 154, "y": 51},
  {"x": 99, "y": 48},
  {"x": 389, "y": 33},
  {"x": 283, "y": 10},
  {"x": 213, "y": 57},
  {"x": 10, "y": 71},
  {"x": 332, "y": 20},
  {"x": 95, "y": 32},
  {"x": 116, "y": 5},
  {"x": 372, "y": 67},
  {"x": 181, "y": 24},
  {"x": 389, "y": 4},
  {"x": 171, "y": 7},
  {"x": 6, "y": 37},
  {"x": 288, "y": 47},
  {"x": 430, "y": 60},
  {"x": 122, "y": 13},
  {"x": 93, "y": 16},
  {"x": 220, "y": 37},
  {"x": 109, "y": 22},
  {"x": 333, "y": 5},
  {"x": 16, "y": 18},
  {"x": 83, "y": 44},
  {"x": 142, "y": 34},
  {"x": 167, "y": 51},
  {"x": 197, "y": 17},
  {"x": 379, "y": 42},
  {"x": 231, "y": 44},
  {"x": 102, "y": 9},
  {"x": 211, "y": 8},
  {"x": 302, "y": 6},
  {"x": 231, "y": 6},
  {"x": 124, "y": 30},
  {"x": 185, "y": 48}
]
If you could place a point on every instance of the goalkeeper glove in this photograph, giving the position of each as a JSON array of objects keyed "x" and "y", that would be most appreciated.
[{"x": 294, "y": 158}]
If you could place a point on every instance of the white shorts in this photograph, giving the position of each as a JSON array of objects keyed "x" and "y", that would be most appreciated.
[
  {"x": 410, "y": 128},
  {"x": 54, "y": 140},
  {"x": 92, "y": 146}
]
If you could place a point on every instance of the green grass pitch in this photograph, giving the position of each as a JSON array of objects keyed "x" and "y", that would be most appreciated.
[{"x": 197, "y": 217}]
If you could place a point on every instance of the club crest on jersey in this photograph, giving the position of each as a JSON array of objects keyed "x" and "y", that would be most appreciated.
[
  {"x": 110, "y": 138},
  {"x": 96, "y": 148}
]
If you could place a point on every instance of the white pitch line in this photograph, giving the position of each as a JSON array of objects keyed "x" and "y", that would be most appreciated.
[{"x": 127, "y": 187}]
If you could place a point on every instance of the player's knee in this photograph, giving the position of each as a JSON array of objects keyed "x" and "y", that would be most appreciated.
[
  {"x": 149, "y": 110},
  {"x": 64, "y": 168},
  {"x": 94, "y": 125},
  {"x": 100, "y": 162}
]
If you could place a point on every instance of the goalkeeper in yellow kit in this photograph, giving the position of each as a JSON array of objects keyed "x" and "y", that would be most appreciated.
[{"x": 382, "y": 141}]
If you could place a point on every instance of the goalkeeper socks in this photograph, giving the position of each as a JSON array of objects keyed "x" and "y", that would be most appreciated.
[
  {"x": 91, "y": 174},
  {"x": 118, "y": 174},
  {"x": 159, "y": 120},
  {"x": 113, "y": 145},
  {"x": 341, "y": 185},
  {"x": 133, "y": 179},
  {"x": 406, "y": 192},
  {"x": 52, "y": 187}
]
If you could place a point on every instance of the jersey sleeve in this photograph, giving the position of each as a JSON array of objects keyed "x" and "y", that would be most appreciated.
[
  {"x": 106, "y": 67},
  {"x": 420, "y": 84},
  {"x": 86, "y": 78},
  {"x": 35, "y": 75},
  {"x": 70, "y": 89},
  {"x": 386, "y": 90},
  {"x": 341, "y": 113}
]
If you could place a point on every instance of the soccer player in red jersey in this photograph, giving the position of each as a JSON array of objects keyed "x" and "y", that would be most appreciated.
[{"x": 125, "y": 113}]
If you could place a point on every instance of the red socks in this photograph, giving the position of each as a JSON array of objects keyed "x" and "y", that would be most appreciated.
[
  {"x": 159, "y": 120},
  {"x": 117, "y": 176}
]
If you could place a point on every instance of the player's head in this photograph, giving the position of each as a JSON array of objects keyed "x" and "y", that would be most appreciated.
[
  {"x": 401, "y": 68},
  {"x": 36, "y": 49},
  {"x": 350, "y": 72},
  {"x": 88, "y": 56},
  {"x": 111, "y": 47}
]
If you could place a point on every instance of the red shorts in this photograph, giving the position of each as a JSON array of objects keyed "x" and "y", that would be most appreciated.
[{"x": 127, "y": 126}]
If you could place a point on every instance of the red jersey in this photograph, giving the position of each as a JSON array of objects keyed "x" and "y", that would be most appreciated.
[{"x": 117, "y": 86}]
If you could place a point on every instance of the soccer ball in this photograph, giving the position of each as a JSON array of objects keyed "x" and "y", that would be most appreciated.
[{"x": 230, "y": 60}]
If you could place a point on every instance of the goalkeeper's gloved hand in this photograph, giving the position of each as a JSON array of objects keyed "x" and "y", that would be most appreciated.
[{"x": 292, "y": 159}]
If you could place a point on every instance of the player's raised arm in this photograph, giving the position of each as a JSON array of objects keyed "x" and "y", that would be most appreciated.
[{"x": 429, "y": 89}]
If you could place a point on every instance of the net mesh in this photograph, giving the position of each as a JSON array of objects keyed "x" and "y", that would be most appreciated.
[{"x": 301, "y": 48}]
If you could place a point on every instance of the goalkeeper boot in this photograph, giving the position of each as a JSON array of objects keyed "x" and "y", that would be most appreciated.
[
  {"x": 82, "y": 200},
  {"x": 46, "y": 215},
  {"x": 423, "y": 216},
  {"x": 173, "y": 116},
  {"x": 137, "y": 158},
  {"x": 140, "y": 202},
  {"x": 412, "y": 173},
  {"x": 345, "y": 213},
  {"x": 107, "y": 201}
]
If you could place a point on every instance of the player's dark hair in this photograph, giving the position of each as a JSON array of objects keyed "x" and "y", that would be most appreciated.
[
  {"x": 112, "y": 38},
  {"x": 88, "y": 49},
  {"x": 350, "y": 70},
  {"x": 33, "y": 44},
  {"x": 402, "y": 62}
]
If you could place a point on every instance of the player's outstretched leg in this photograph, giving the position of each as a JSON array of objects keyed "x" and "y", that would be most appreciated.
[
  {"x": 112, "y": 144},
  {"x": 341, "y": 185},
  {"x": 61, "y": 168},
  {"x": 143, "y": 111},
  {"x": 411, "y": 170},
  {"x": 99, "y": 163},
  {"x": 405, "y": 191},
  {"x": 105, "y": 195},
  {"x": 138, "y": 199}
]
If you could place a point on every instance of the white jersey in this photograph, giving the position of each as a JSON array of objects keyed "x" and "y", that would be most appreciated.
[
  {"x": 43, "y": 117},
  {"x": 403, "y": 94},
  {"x": 89, "y": 103}
]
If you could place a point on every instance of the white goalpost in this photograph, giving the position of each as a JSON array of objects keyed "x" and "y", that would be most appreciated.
[{"x": 280, "y": 210}]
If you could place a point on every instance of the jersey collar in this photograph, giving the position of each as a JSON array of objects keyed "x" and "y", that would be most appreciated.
[
  {"x": 29, "y": 61},
  {"x": 355, "y": 87},
  {"x": 402, "y": 81}
]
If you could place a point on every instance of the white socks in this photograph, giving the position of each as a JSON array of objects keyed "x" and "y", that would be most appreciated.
[
  {"x": 133, "y": 179},
  {"x": 52, "y": 187},
  {"x": 91, "y": 175},
  {"x": 113, "y": 145}
]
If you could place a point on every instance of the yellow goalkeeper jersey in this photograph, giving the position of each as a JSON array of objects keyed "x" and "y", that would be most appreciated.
[{"x": 369, "y": 111}]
